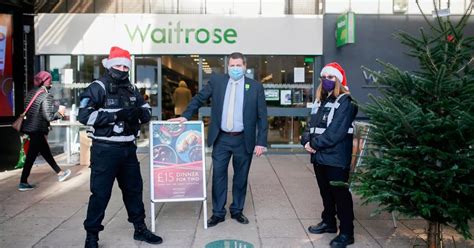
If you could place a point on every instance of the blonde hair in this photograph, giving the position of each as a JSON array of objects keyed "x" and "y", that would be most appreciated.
[{"x": 338, "y": 90}]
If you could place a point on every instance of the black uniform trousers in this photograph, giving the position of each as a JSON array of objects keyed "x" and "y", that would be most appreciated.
[
  {"x": 337, "y": 200},
  {"x": 225, "y": 147},
  {"x": 38, "y": 145},
  {"x": 110, "y": 161}
]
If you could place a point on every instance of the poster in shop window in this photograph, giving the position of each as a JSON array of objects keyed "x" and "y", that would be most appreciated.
[
  {"x": 177, "y": 161},
  {"x": 6, "y": 66}
]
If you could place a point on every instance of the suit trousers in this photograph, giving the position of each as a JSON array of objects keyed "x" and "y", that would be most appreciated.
[
  {"x": 225, "y": 147},
  {"x": 110, "y": 161},
  {"x": 337, "y": 200}
]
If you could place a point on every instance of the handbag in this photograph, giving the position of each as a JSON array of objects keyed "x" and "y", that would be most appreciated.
[{"x": 19, "y": 121}]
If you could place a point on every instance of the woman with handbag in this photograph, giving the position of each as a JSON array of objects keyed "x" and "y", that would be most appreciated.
[{"x": 39, "y": 114}]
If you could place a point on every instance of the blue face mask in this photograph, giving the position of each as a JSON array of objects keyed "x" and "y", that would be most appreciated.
[
  {"x": 236, "y": 72},
  {"x": 328, "y": 85}
]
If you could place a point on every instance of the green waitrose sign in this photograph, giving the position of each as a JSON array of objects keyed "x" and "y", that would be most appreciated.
[
  {"x": 175, "y": 34},
  {"x": 345, "y": 29}
]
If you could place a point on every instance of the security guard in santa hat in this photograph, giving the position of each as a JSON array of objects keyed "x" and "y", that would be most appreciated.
[
  {"x": 328, "y": 139},
  {"x": 114, "y": 110}
]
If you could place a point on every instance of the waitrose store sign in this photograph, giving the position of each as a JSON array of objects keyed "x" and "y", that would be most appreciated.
[
  {"x": 178, "y": 34},
  {"x": 170, "y": 35}
]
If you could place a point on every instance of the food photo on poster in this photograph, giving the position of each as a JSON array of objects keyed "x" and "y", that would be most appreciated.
[{"x": 177, "y": 160}]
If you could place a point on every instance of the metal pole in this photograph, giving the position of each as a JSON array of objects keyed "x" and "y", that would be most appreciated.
[
  {"x": 291, "y": 131},
  {"x": 152, "y": 215},
  {"x": 160, "y": 85},
  {"x": 204, "y": 209},
  {"x": 132, "y": 70},
  {"x": 200, "y": 80}
]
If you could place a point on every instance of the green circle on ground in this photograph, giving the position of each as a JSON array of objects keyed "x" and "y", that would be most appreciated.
[{"x": 229, "y": 243}]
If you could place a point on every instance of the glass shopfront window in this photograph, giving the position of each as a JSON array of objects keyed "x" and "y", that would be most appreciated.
[
  {"x": 288, "y": 83},
  {"x": 146, "y": 79},
  {"x": 175, "y": 69}
]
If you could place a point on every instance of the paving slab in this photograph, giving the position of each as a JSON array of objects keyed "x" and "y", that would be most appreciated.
[{"x": 282, "y": 201}]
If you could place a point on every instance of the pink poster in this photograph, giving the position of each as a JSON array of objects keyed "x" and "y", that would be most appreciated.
[
  {"x": 177, "y": 161},
  {"x": 6, "y": 69}
]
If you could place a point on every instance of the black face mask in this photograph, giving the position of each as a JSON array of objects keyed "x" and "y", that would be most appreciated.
[{"x": 118, "y": 75}]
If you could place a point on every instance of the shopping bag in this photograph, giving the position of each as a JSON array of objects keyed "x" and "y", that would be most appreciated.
[
  {"x": 18, "y": 122},
  {"x": 25, "y": 145}
]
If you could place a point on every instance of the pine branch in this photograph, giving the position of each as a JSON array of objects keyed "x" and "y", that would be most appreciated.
[
  {"x": 439, "y": 79},
  {"x": 424, "y": 16},
  {"x": 438, "y": 18},
  {"x": 467, "y": 64}
]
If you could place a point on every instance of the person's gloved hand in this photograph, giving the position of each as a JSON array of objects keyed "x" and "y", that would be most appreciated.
[
  {"x": 122, "y": 115},
  {"x": 135, "y": 114}
]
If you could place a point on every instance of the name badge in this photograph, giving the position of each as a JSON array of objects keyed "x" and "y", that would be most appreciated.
[{"x": 112, "y": 102}]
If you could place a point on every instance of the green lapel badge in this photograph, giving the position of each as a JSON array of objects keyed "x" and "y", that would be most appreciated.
[{"x": 247, "y": 86}]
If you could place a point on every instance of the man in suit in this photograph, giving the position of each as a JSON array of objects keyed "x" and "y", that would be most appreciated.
[{"x": 238, "y": 111}]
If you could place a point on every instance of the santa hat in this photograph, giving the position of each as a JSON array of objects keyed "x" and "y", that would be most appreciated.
[
  {"x": 42, "y": 78},
  {"x": 336, "y": 70},
  {"x": 117, "y": 56}
]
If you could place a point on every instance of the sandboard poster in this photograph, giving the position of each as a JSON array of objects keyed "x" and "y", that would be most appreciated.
[{"x": 177, "y": 161}]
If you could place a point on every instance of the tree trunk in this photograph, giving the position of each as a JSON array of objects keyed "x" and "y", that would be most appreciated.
[{"x": 434, "y": 235}]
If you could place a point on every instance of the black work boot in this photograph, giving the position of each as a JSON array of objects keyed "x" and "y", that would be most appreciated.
[
  {"x": 92, "y": 240},
  {"x": 143, "y": 234}
]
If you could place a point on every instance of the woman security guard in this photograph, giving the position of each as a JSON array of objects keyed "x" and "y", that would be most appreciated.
[{"x": 329, "y": 141}]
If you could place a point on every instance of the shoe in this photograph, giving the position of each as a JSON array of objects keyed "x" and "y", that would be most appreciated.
[
  {"x": 342, "y": 240},
  {"x": 64, "y": 176},
  {"x": 25, "y": 186},
  {"x": 143, "y": 234},
  {"x": 322, "y": 227},
  {"x": 240, "y": 218},
  {"x": 92, "y": 240},
  {"x": 214, "y": 220}
]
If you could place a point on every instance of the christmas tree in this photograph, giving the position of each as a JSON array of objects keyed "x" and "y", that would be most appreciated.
[{"x": 420, "y": 159}]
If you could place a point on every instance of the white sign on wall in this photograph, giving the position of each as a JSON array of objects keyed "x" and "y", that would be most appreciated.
[
  {"x": 298, "y": 73},
  {"x": 178, "y": 34}
]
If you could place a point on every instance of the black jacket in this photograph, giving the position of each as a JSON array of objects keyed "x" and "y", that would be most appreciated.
[
  {"x": 101, "y": 100},
  {"x": 334, "y": 146},
  {"x": 40, "y": 113}
]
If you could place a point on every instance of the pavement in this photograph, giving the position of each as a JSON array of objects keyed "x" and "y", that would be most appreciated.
[{"x": 282, "y": 201}]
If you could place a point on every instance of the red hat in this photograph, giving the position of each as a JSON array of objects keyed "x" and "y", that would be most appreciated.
[
  {"x": 117, "y": 56},
  {"x": 336, "y": 70},
  {"x": 42, "y": 78}
]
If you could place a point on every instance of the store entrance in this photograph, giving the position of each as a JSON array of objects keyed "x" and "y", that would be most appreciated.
[
  {"x": 180, "y": 81},
  {"x": 169, "y": 83}
]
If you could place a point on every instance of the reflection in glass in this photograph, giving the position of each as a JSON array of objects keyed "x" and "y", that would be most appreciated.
[
  {"x": 290, "y": 76},
  {"x": 146, "y": 78},
  {"x": 175, "y": 69}
]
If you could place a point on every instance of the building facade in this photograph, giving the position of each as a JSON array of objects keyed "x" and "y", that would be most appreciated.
[{"x": 286, "y": 42}]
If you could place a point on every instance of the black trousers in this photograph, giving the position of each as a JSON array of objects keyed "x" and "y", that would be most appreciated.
[
  {"x": 108, "y": 162},
  {"x": 225, "y": 147},
  {"x": 38, "y": 144},
  {"x": 337, "y": 200}
]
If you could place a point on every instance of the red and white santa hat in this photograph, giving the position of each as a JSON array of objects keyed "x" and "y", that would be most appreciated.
[
  {"x": 117, "y": 56},
  {"x": 336, "y": 70}
]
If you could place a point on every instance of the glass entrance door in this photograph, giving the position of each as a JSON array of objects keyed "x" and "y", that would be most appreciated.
[
  {"x": 147, "y": 80},
  {"x": 175, "y": 71}
]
